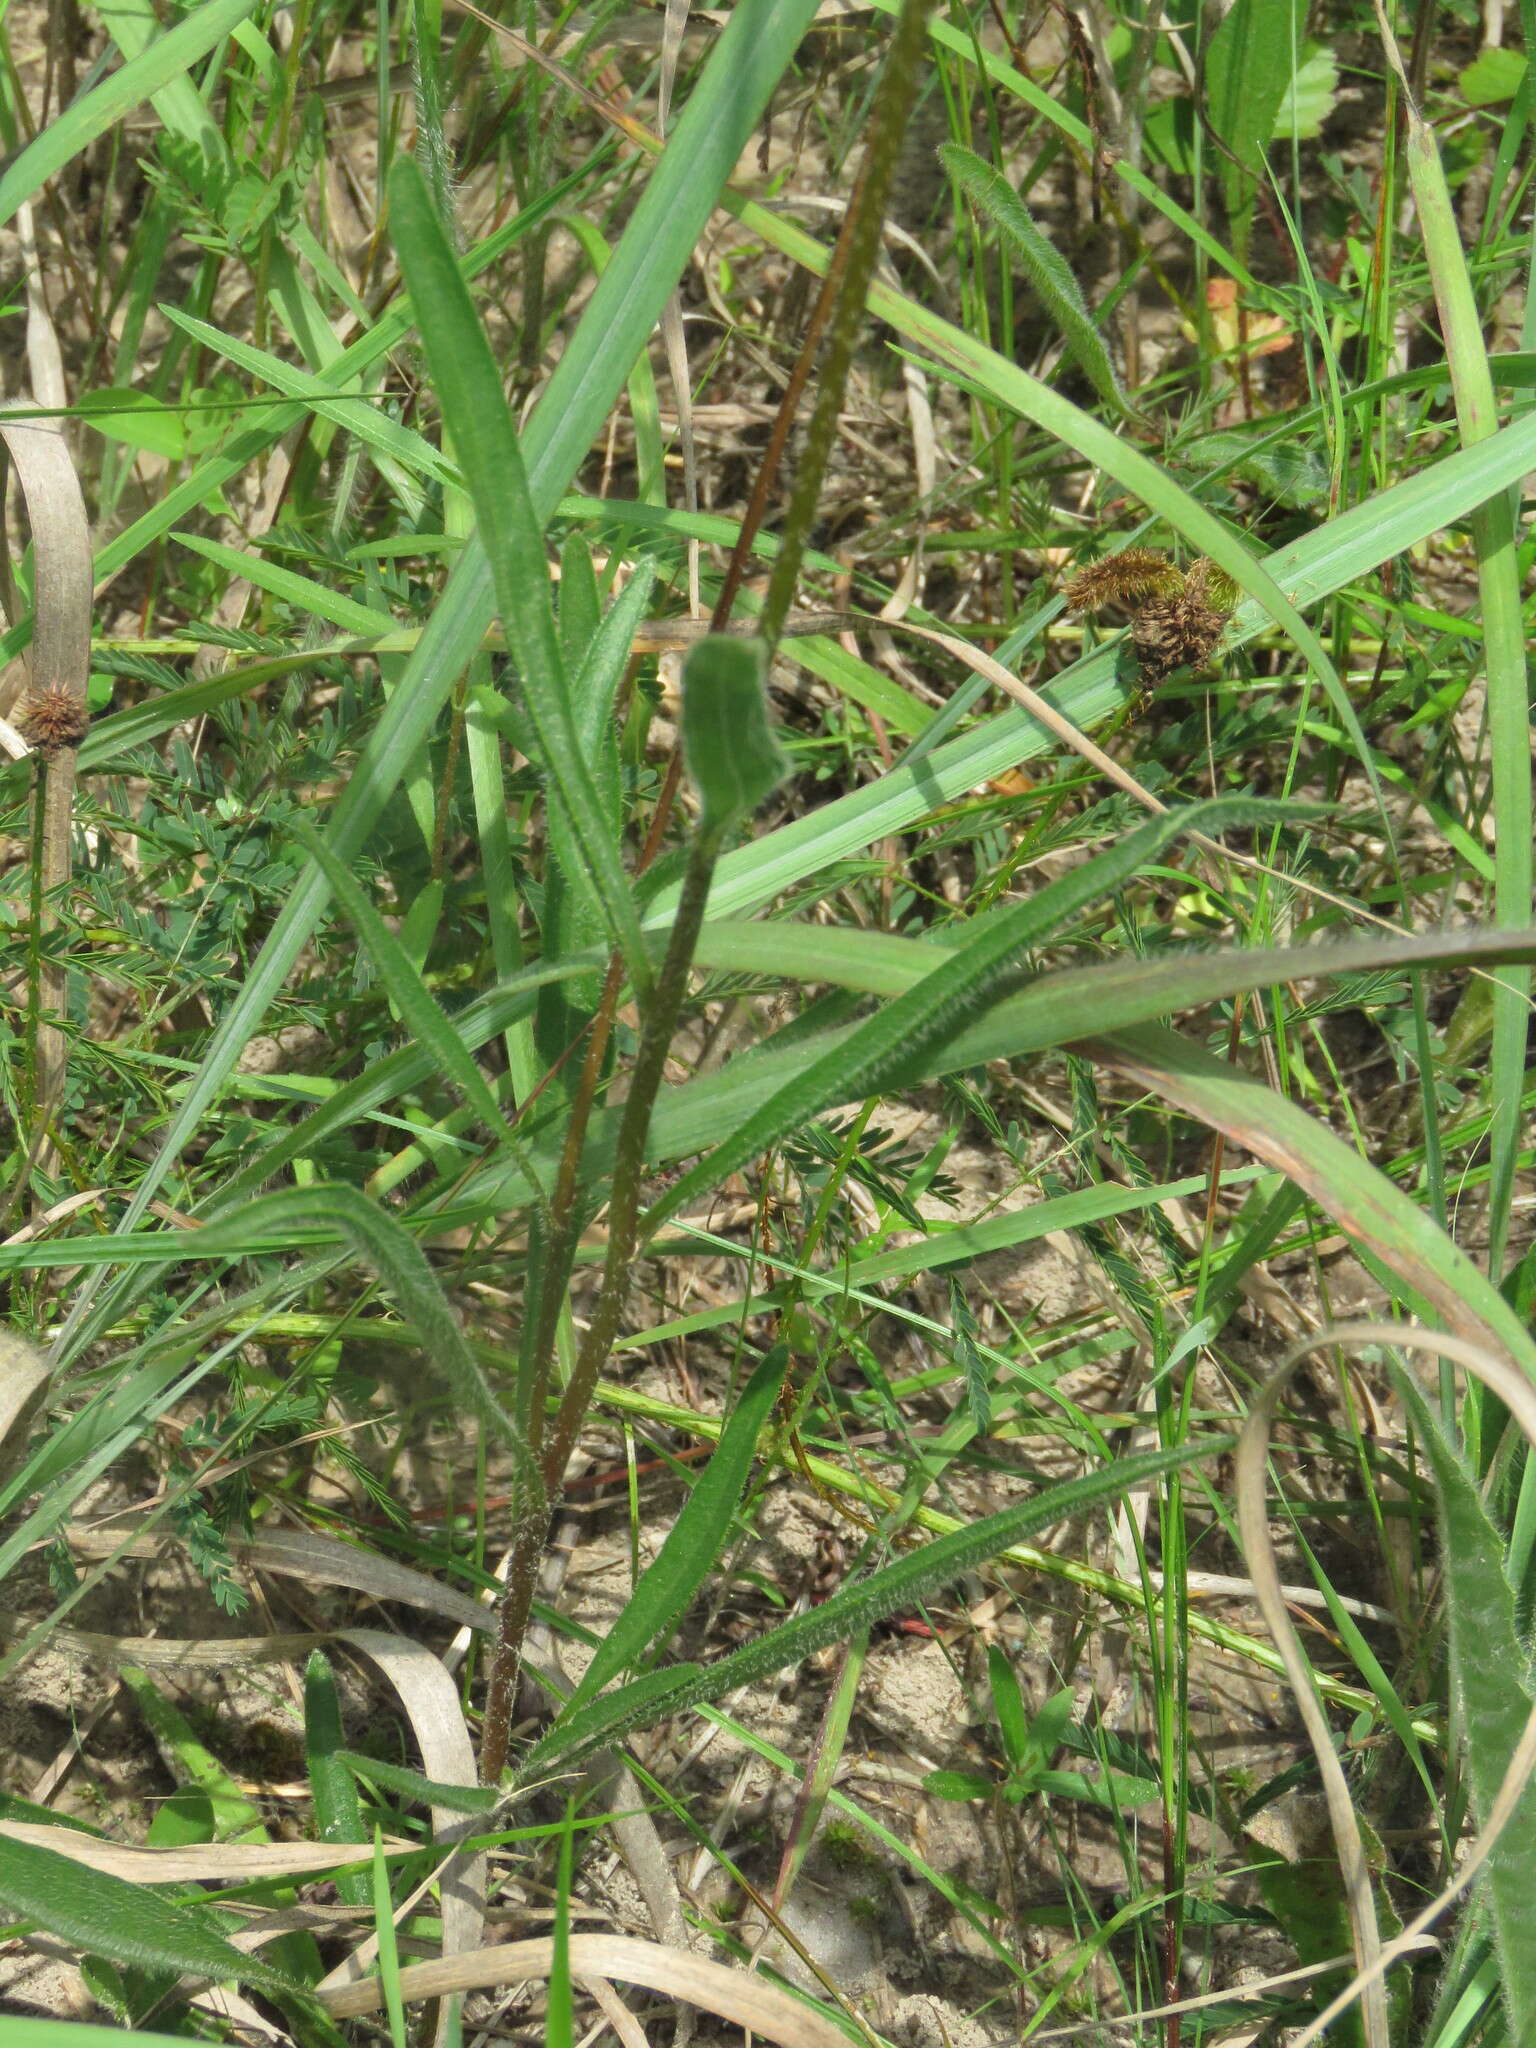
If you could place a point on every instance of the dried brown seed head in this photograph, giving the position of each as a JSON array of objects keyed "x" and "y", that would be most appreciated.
[
  {"x": 53, "y": 719},
  {"x": 1176, "y": 632}
]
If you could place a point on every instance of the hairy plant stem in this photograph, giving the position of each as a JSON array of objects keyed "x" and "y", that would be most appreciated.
[
  {"x": 564, "y": 1213},
  {"x": 839, "y": 312},
  {"x": 859, "y": 248},
  {"x": 656, "y": 1033}
]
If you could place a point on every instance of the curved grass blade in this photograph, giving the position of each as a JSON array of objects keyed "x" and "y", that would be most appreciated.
[
  {"x": 908, "y": 1579},
  {"x": 929, "y": 1013},
  {"x": 128, "y": 1923},
  {"x": 1387, "y": 1224},
  {"x": 1078, "y": 1003},
  {"x": 402, "y": 1265}
]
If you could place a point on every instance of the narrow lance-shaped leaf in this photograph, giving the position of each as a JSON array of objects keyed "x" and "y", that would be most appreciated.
[
  {"x": 338, "y": 1810},
  {"x": 1491, "y": 1667},
  {"x": 910, "y": 1578},
  {"x": 695, "y": 1540},
  {"x": 129, "y": 1923},
  {"x": 960, "y": 984},
  {"x": 1045, "y": 267},
  {"x": 485, "y": 441}
]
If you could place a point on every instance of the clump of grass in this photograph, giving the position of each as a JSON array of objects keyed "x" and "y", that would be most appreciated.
[{"x": 469, "y": 1019}]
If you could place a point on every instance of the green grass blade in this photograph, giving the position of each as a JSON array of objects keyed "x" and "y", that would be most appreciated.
[
  {"x": 906, "y": 1581},
  {"x": 511, "y": 533},
  {"x": 128, "y": 1923},
  {"x": 1077, "y": 1003},
  {"x": 404, "y": 1269},
  {"x": 355, "y": 413},
  {"x": 141, "y": 78},
  {"x": 1507, "y": 754},
  {"x": 338, "y": 1810},
  {"x": 302, "y": 592},
  {"x": 560, "y": 2016},
  {"x": 693, "y": 1543},
  {"x": 383, "y": 1905},
  {"x": 1387, "y": 1223},
  {"x": 929, "y": 1012},
  {"x": 133, "y": 26},
  {"x": 1492, "y": 1669},
  {"x": 234, "y": 1816}
]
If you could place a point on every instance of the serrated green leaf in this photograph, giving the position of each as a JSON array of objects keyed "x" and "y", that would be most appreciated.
[
  {"x": 1047, "y": 270},
  {"x": 1493, "y": 77},
  {"x": 1311, "y": 96}
]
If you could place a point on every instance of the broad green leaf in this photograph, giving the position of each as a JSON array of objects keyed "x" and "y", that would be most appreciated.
[
  {"x": 1249, "y": 64},
  {"x": 733, "y": 759},
  {"x": 128, "y": 1923},
  {"x": 1493, "y": 77},
  {"x": 1311, "y": 96},
  {"x": 135, "y": 420}
]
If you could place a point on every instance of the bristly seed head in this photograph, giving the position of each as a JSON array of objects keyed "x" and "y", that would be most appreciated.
[
  {"x": 53, "y": 719},
  {"x": 1176, "y": 632},
  {"x": 1211, "y": 585},
  {"x": 1132, "y": 577}
]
